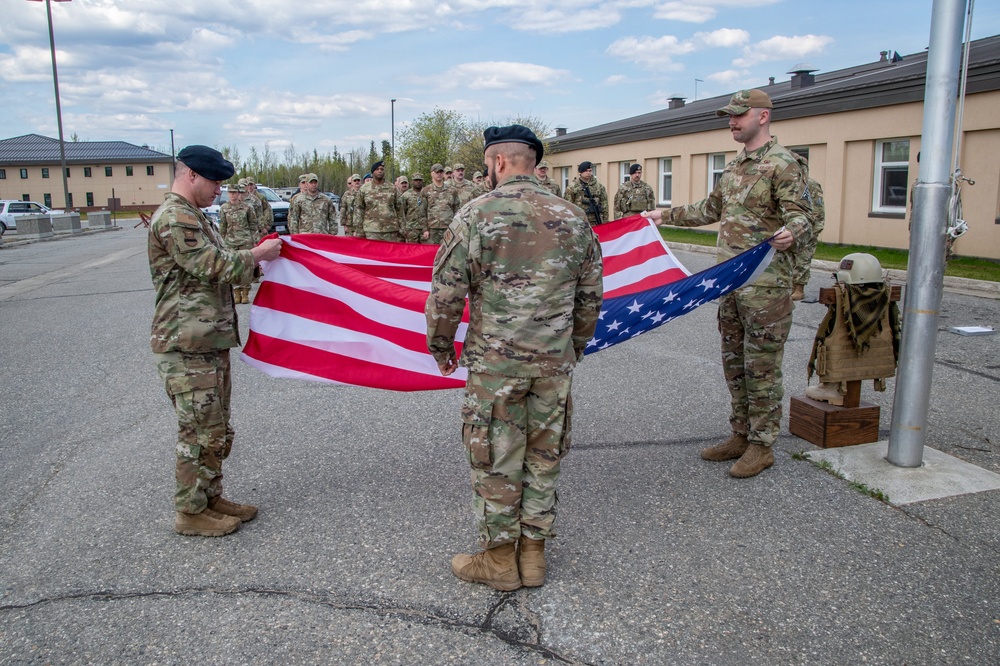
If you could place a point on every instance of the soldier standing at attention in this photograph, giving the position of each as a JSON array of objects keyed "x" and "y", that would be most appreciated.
[
  {"x": 634, "y": 196},
  {"x": 805, "y": 248},
  {"x": 377, "y": 208},
  {"x": 402, "y": 184},
  {"x": 312, "y": 212},
  {"x": 442, "y": 204},
  {"x": 347, "y": 205},
  {"x": 587, "y": 192},
  {"x": 238, "y": 227},
  {"x": 265, "y": 216},
  {"x": 762, "y": 193},
  {"x": 194, "y": 327},
  {"x": 302, "y": 187},
  {"x": 466, "y": 190},
  {"x": 542, "y": 174},
  {"x": 532, "y": 269},
  {"x": 415, "y": 211}
]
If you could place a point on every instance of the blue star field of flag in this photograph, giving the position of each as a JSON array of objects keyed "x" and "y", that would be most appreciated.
[{"x": 627, "y": 316}]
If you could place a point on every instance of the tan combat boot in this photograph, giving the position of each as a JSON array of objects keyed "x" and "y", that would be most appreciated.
[
  {"x": 798, "y": 292},
  {"x": 756, "y": 459},
  {"x": 208, "y": 523},
  {"x": 826, "y": 392},
  {"x": 531, "y": 561},
  {"x": 734, "y": 447},
  {"x": 496, "y": 567},
  {"x": 245, "y": 295},
  {"x": 245, "y": 512}
]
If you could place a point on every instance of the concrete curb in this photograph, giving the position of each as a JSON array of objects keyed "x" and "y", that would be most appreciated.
[
  {"x": 6, "y": 243},
  {"x": 960, "y": 285}
]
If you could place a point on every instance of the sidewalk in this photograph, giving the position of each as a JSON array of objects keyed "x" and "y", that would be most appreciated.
[{"x": 662, "y": 558}]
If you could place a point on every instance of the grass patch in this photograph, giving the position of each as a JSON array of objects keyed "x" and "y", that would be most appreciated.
[
  {"x": 967, "y": 267},
  {"x": 826, "y": 466}
]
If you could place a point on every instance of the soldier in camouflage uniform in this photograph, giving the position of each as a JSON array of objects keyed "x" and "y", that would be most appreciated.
[
  {"x": 465, "y": 188},
  {"x": 634, "y": 196},
  {"x": 542, "y": 174},
  {"x": 194, "y": 327},
  {"x": 415, "y": 211},
  {"x": 762, "y": 194},
  {"x": 805, "y": 248},
  {"x": 302, "y": 187},
  {"x": 347, "y": 204},
  {"x": 239, "y": 229},
  {"x": 377, "y": 208},
  {"x": 532, "y": 269},
  {"x": 442, "y": 205},
  {"x": 265, "y": 216},
  {"x": 587, "y": 192},
  {"x": 311, "y": 212}
]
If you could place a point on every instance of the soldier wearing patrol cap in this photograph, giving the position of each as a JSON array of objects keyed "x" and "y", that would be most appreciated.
[
  {"x": 347, "y": 205},
  {"x": 442, "y": 204},
  {"x": 414, "y": 211},
  {"x": 466, "y": 190},
  {"x": 265, "y": 216},
  {"x": 762, "y": 194},
  {"x": 402, "y": 184},
  {"x": 239, "y": 229},
  {"x": 542, "y": 174},
  {"x": 311, "y": 212},
  {"x": 194, "y": 327},
  {"x": 531, "y": 267}
]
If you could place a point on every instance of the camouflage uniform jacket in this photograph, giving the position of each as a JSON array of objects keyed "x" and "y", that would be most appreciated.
[
  {"x": 347, "y": 211},
  {"x": 575, "y": 194},
  {"x": 238, "y": 225},
  {"x": 551, "y": 185},
  {"x": 414, "y": 210},
  {"x": 532, "y": 268},
  {"x": 634, "y": 198},
  {"x": 311, "y": 215},
  {"x": 467, "y": 191},
  {"x": 442, "y": 205},
  {"x": 377, "y": 209},
  {"x": 192, "y": 275},
  {"x": 265, "y": 215},
  {"x": 759, "y": 192}
]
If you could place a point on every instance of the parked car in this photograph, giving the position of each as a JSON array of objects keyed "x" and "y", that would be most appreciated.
[
  {"x": 278, "y": 207},
  {"x": 11, "y": 209}
]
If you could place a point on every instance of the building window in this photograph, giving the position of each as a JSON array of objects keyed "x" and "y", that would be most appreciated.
[
  {"x": 24, "y": 174},
  {"x": 67, "y": 172},
  {"x": 107, "y": 171},
  {"x": 3, "y": 174},
  {"x": 623, "y": 168},
  {"x": 564, "y": 177},
  {"x": 25, "y": 197},
  {"x": 86, "y": 172},
  {"x": 47, "y": 200},
  {"x": 892, "y": 168},
  {"x": 149, "y": 170},
  {"x": 90, "y": 199},
  {"x": 69, "y": 200},
  {"x": 128, "y": 171},
  {"x": 716, "y": 165},
  {"x": 801, "y": 151},
  {"x": 666, "y": 181},
  {"x": 45, "y": 173}
]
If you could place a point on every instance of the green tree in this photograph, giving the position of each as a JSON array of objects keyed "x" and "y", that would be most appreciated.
[{"x": 433, "y": 137}]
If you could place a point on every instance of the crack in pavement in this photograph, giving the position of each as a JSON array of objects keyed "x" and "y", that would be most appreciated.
[{"x": 525, "y": 634}]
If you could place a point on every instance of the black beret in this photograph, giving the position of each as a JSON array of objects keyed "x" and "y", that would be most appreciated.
[
  {"x": 584, "y": 166},
  {"x": 207, "y": 162},
  {"x": 635, "y": 167},
  {"x": 513, "y": 134},
  {"x": 376, "y": 165}
]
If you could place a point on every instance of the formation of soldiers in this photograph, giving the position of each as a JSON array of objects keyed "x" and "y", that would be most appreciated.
[{"x": 243, "y": 221}]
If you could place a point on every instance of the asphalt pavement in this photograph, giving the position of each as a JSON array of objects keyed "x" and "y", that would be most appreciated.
[{"x": 364, "y": 497}]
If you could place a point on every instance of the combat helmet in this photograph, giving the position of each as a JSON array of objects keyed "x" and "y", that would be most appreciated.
[{"x": 859, "y": 268}]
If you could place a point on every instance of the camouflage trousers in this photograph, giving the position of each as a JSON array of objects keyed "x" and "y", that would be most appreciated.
[
  {"x": 199, "y": 386},
  {"x": 516, "y": 431},
  {"x": 389, "y": 236},
  {"x": 436, "y": 236},
  {"x": 413, "y": 234},
  {"x": 805, "y": 249},
  {"x": 754, "y": 323}
]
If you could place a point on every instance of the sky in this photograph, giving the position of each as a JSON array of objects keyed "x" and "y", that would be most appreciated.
[{"x": 320, "y": 74}]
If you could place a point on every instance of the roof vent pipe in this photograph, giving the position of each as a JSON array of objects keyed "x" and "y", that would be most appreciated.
[
  {"x": 560, "y": 131},
  {"x": 802, "y": 76},
  {"x": 675, "y": 102}
]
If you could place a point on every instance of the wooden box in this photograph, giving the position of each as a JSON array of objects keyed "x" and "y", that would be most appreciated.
[{"x": 827, "y": 425}]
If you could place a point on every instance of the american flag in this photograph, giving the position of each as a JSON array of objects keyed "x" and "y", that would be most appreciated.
[{"x": 351, "y": 311}]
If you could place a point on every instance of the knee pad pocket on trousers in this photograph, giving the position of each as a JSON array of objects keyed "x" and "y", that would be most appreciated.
[{"x": 476, "y": 417}]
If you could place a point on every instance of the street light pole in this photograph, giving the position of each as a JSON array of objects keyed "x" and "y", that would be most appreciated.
[
  {"x": 55, "y": 81},
  {"x": 392, "y": 132}
]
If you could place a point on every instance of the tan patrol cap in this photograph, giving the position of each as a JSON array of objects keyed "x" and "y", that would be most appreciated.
[
  {"x": 355, "y": 176},
  {"x": 478, "y": 174},
  {"x": 404, "y": 179},
  {"x": 743, "y": 101},
  {"x": 242, "y": 182},
  {"x": 238, "y": 188},
  {"x": 437, "y": 166},
  {"x": 417, "y": 176},
  {"x": 303, "y": 177},
  {"x": 311, "y": 177},
  {"x": 447, "y": 169},
  {"x": 542, "y": 165},
  {"x": 459, "y": 166}
]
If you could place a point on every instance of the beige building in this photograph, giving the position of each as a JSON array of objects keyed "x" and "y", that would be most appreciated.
[
  {"x": 97, "y": 170},
  {"x": 859, "y": 128}
]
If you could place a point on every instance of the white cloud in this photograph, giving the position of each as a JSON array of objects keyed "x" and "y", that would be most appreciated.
[
  {"x": 782, "y": 48},
  {"x": 540, "y": 19},
  {"x": 723, "y": 38},
  {"x": 656, "y": 53},
  {"x": 728, "y": 76},
  {"x": 700, "y": 11},
  {"x": 614, "y": 79},
  {"x": 501, "y": 75}
]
